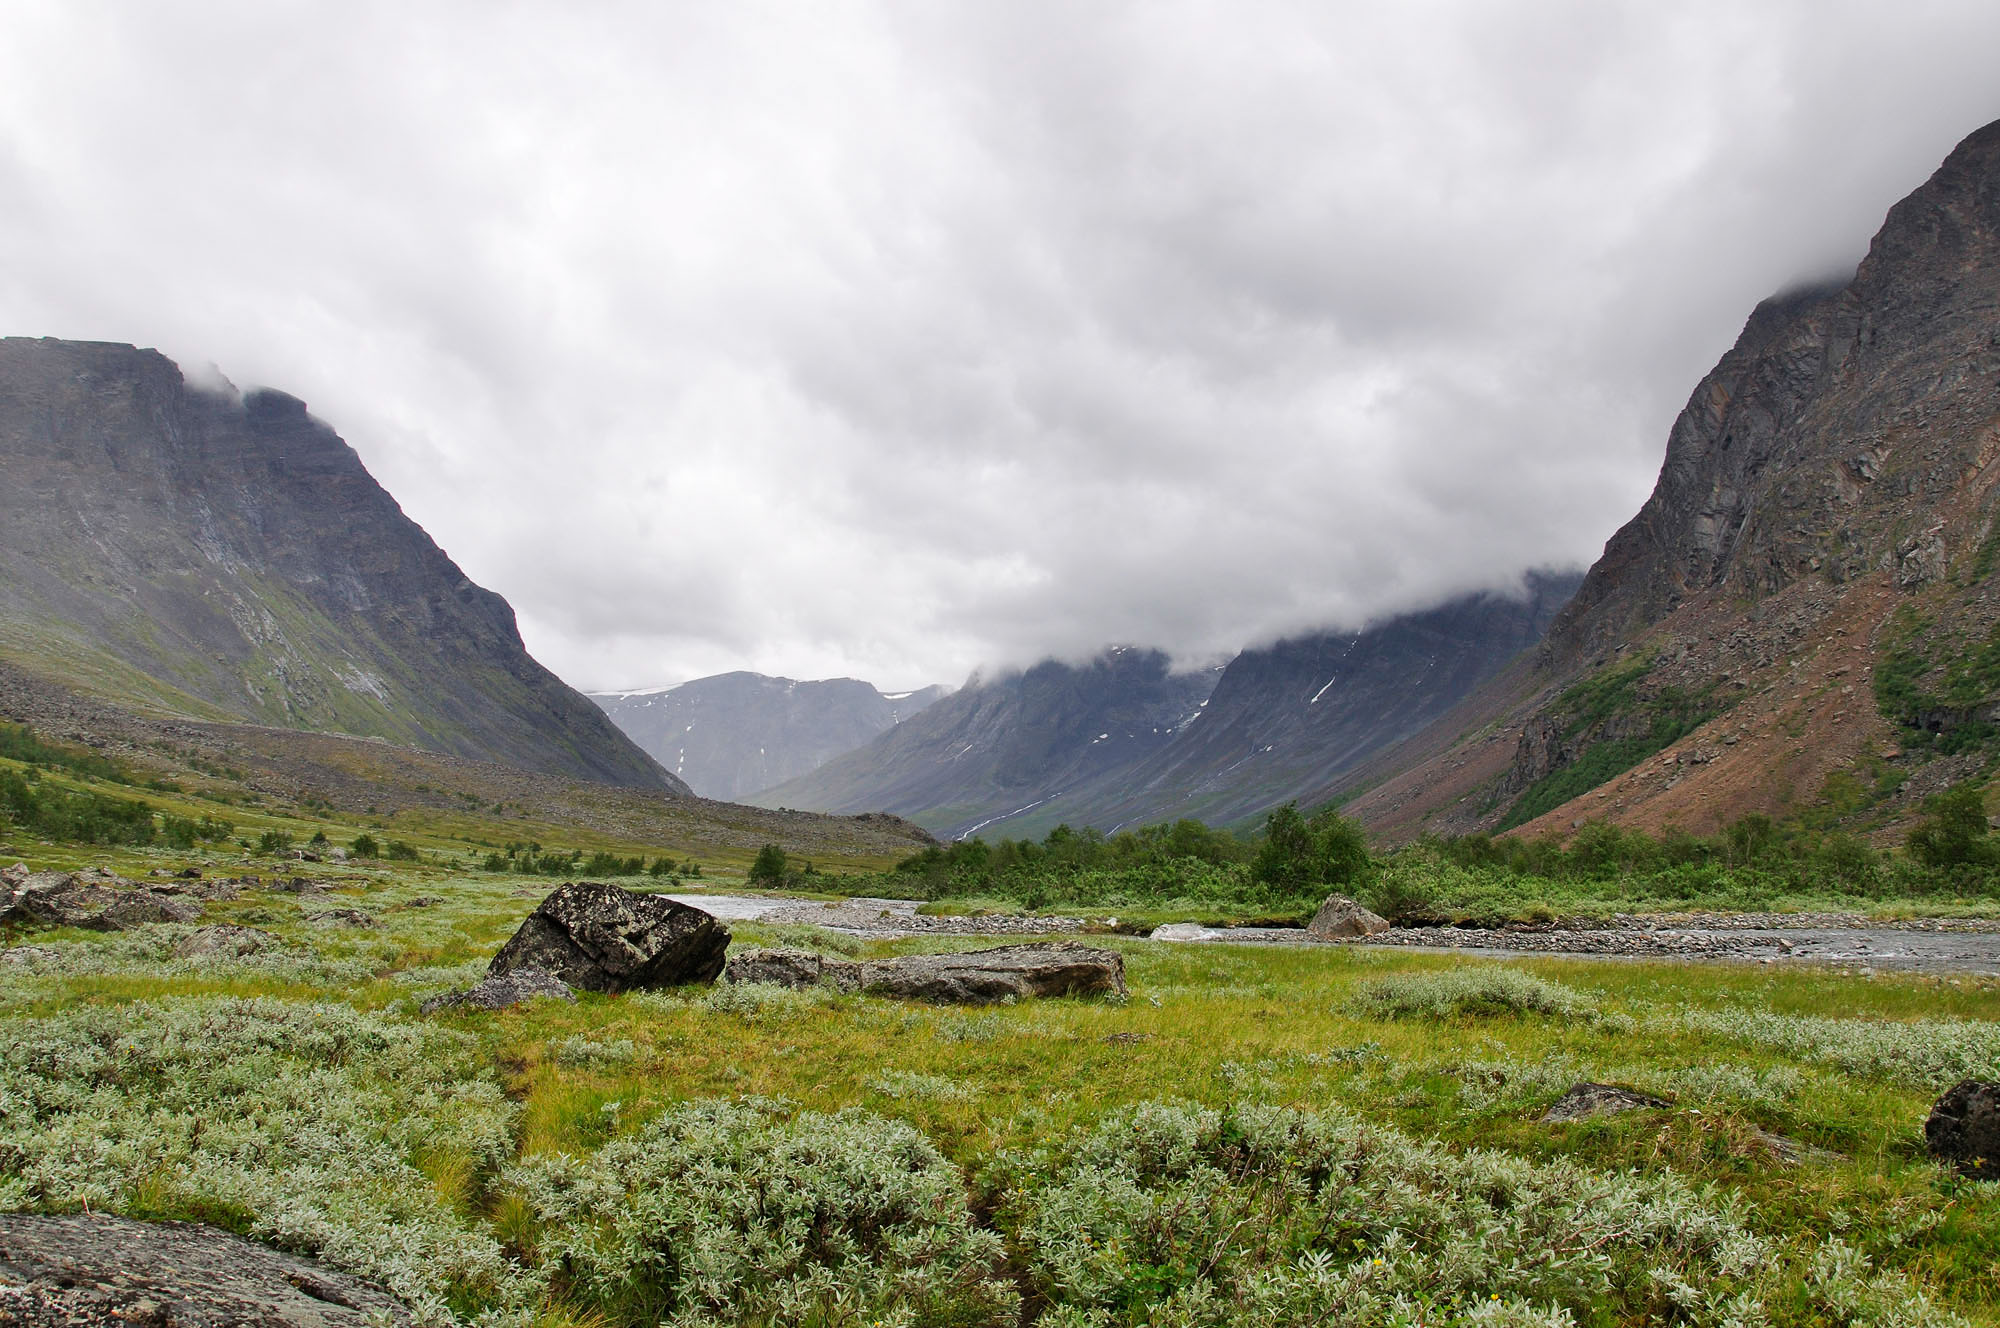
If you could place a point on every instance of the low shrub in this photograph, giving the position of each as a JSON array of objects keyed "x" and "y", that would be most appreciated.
[
  {"x": 1935, "y": 1053},
  {"x": 312, "y": 1126},
  {"x": 730, "y": 1213},
  {"x": 1487, "y": 990},
  {"x": 1169, "y": 1213}
]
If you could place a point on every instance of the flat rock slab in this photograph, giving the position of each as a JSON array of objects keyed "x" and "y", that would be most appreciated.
[
  {"x": 1585, "y": 1100},
  {"x": 975, "y": 977},
  {"x": 74, "y": 1270},
  {"x": 96, "y": 901},
  {"x": 504, "y": 989},
  {"x": 1964, "y": 1128},
  {"x": 225, "y": 940},
  {"x": 1342, "y": 919},
  {"x": 601, "y": 938},
  {"x": 797, "y": 969}
]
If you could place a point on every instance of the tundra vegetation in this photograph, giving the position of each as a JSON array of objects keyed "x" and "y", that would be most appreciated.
[{"x": 1295, "y": 1135}]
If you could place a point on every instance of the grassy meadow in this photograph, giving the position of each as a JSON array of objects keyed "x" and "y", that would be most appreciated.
[
  {"x": 1290, "y": 1135},
  {"x": 1280, "y": 1135}
]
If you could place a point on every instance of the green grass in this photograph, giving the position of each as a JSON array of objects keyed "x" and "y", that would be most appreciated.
[{"x": 528, "y": 1158}]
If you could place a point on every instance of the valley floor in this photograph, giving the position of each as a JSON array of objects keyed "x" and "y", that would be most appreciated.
[{"x": 1287, "y": 1134}]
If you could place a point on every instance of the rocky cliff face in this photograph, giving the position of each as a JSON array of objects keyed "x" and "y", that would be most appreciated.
[
  {"x": 993, "y": 749},
  {"x": 228, "y": 557},
  {"x": 1805, "y": 606},
  {"x": 736, "y": 733}
]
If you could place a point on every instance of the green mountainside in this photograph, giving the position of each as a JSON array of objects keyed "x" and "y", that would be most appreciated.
[{"x": 226, "y": 557}]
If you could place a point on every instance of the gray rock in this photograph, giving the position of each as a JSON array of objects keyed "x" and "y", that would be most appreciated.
[
  {"x": 601, "y": 938},
  {"x": 985, "y": 977},
  {"x": 96, "y": 901},
  {"x": 1964, "y": 1128},
  {"x": 504, "y": 989},
  {"x": 80, "y": 1269},
  {"x": 1341, "y": 919},
  {"x": 1178, "y": 931},
  {"x": 1587, "y": 1099},
  {"x": 797, "y": 969},
  {"x": 224, "y": 940},
  {"x": 341, "y": 917}
]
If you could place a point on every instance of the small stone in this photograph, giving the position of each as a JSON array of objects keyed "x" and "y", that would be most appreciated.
[
  {"x": 1584, "y": 1100},
  {"x": 503, "y": 990}
]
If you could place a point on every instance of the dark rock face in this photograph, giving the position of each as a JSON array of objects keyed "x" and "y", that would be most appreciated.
[
  {"x": 1341, "y": 919},
  {"x": 737, "y": 733},
  {"x": 231, "y": 551},
  {"x": 1964, "y": 1129},
  {"x": 1584, "y": 1100},
  {"x": 60, "y": 1272},
  {"x": 601, "y": 938},
  {"x": 502, "y": 990},
  {"x": 977, "y": 977},
  {"x": 94, "y": 902}
]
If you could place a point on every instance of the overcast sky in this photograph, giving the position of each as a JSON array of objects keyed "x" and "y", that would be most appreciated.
[{"x": 893, "y": 339}]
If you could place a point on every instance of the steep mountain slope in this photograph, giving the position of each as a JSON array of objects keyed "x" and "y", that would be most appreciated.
[
  {"x": 994, "y": 747},
  {"x": 1277, "y": 724},
  {"x": 1284, "y": 722},
  {"x": 736, "y": 733},
  {"x": 227, "y": 557},
  {"x": 1802, "y": 618}
]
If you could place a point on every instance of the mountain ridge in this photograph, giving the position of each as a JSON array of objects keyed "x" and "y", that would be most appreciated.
[
  {"x": 226, "y": 556},
  {"x": 733, "y": 734}
]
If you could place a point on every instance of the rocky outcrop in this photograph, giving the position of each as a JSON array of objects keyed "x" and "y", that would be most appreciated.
[
  {"x": 1827, "y": 512},
  {"x": 502, "y": 990},
  {"x": 225, "y": 940},
  {"x": 601, "y": 938},
  {"x": 61, "y": 1272},
  {"x": 1963, "y": 1129},
  {"x": 975, "y": 977},
  {"x": 1584, "y": 1100},
  {"x": 1341, "y": 919},
  {"x": 95, "y": 901},
  {"x": 228, "y": 555}
]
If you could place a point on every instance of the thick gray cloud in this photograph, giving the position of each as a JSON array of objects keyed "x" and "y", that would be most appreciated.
[{"x": 891, "y": 339}]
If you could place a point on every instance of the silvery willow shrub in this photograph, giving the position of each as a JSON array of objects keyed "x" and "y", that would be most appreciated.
[
  {"x": 1169, "y": 1213},
  {"x": 1931, "y": 1053},
  {"x": 300, "y": 1124},
  {"x": 732, "y": 1213},
  {"x": 1485, "y": 990}
]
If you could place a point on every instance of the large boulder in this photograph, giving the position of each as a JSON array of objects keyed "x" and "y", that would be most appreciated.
[
  {"x": 601, "y": 938},
  {"x": 82, "y": 1269},
  {"x": 97, "y": 901},
  {"x": 504, "y": 989},
  {"x": 985, "y": 977},
  {"x": 1964, "y": 1128},
  {"x": 1341, "y": 919}
]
